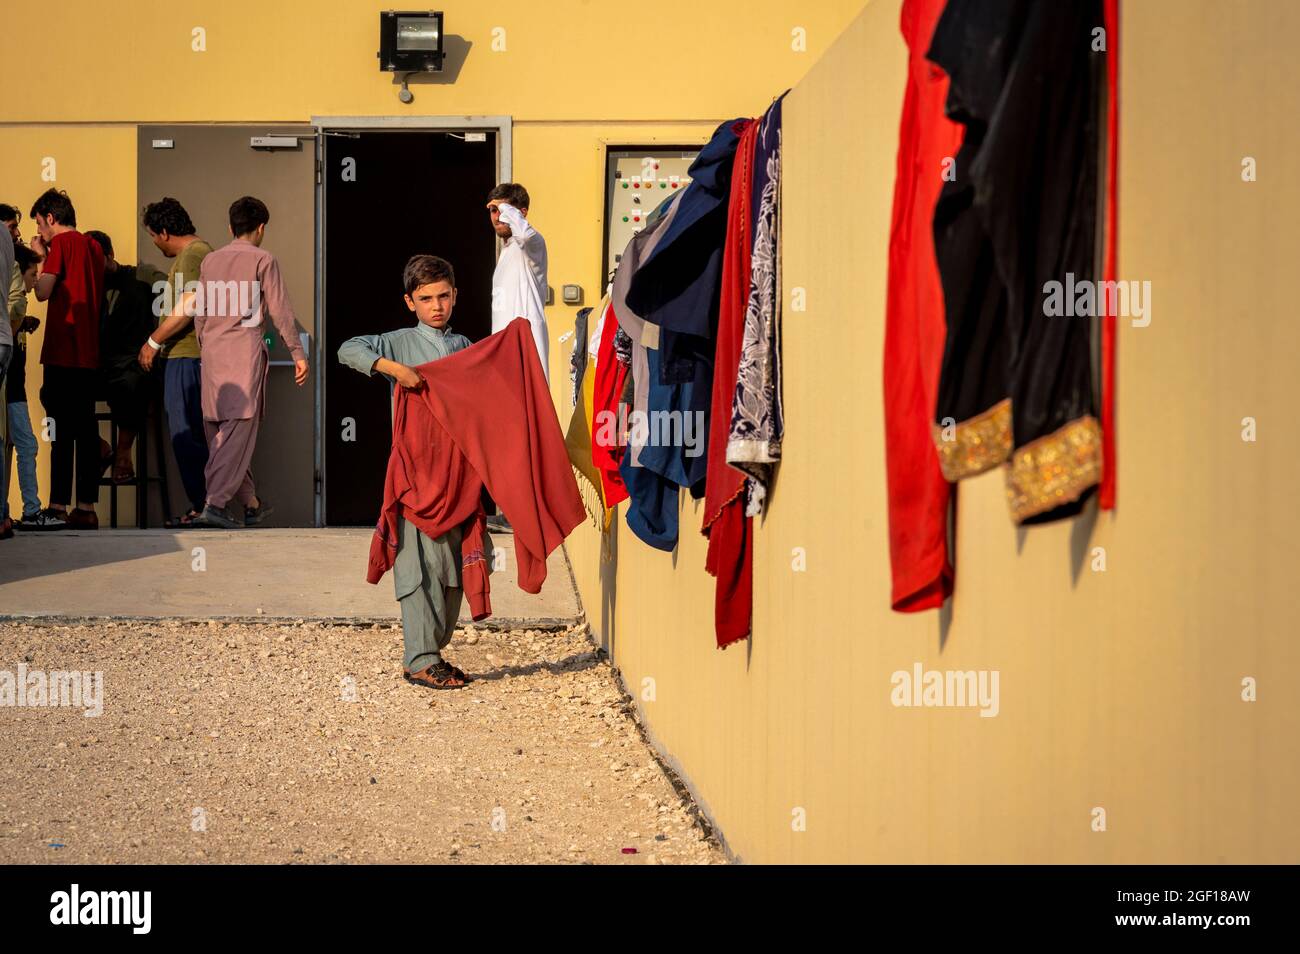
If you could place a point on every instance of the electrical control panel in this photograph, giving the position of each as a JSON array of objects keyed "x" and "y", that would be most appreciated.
[{"x": 636, "y": 181}]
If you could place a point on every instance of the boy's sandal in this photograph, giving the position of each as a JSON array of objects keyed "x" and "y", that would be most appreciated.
[
  {"x": 436, "y": 676},
  {"x": 184, "y": 522},
  {"x": 123, "y": 472},
  {"x": 459, "y": 673}
]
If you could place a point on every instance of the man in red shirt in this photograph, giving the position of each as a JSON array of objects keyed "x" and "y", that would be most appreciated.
[{"x": 72, "y": 281}]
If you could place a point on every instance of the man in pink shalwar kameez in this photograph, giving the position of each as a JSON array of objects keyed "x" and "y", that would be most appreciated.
[{"x": 239, "y": 283}]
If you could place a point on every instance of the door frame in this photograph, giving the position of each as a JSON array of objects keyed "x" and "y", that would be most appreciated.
[
  {"x": 308, "y": 135},
  {"x": 325, "y": 125}
]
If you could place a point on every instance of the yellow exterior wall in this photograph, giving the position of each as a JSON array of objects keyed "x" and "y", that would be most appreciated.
[
  {"x": 1119, "y": 689},
  {"x": 573, "y": 75},
  {"x": 290, "y": 59},
  {"x": 96, "y": 165}
]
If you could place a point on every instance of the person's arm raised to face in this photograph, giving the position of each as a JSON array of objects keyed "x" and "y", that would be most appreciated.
[
  {"x": 51, "y": 268},
  {"x": 518, "y": 222}
]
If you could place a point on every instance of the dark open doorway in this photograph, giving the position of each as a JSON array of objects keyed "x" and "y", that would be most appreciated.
[{"x": 388, "y": 195}]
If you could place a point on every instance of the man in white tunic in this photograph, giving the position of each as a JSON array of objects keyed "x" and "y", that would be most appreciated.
[{"x": 519, "y": 282}]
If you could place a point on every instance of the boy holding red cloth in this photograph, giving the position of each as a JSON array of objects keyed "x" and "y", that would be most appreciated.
[{"x": 426, "y": 571}]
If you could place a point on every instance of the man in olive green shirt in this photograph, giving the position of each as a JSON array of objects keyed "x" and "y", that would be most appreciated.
[{"x": 172, "y": 230}]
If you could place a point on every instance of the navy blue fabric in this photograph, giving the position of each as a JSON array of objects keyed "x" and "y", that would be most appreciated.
[
  {"x": 676, "y": 287},
  {"x": 182, "y": 397},
  {"x": 652, "y": 487},
  {"x": 672, "y": 463},
  {"x": 652, "y": 505}
]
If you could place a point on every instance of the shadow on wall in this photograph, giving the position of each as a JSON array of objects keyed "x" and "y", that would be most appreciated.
[
  {"x": 1082, "y": 531},
  {"x": 455, "y": 51},
  {"x": 608, "y": 583},
  {"x": 1082, "y": 528}
]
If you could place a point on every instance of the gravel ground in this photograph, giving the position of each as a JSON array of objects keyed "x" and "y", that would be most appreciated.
[{"x": 299, "y": 742}]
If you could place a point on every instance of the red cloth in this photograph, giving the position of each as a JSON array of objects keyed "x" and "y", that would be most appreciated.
[
  {"x": 915, "y": 329},
  {"x": 72, "y": 315},
  {"x": 484, "y": 417},
  {"x": 1106, "y": 493},
  {"x": 611, "y": 374},
  {"x": 730, "y": 555}
]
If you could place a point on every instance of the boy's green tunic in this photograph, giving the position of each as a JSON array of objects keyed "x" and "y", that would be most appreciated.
[{"x": 426, "y": 574}]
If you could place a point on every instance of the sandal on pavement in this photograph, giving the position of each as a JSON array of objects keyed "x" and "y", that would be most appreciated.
[{"x": 185, "y": 522}]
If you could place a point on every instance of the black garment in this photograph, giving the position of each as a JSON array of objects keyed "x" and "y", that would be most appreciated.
[
  {"x": 623, "y": 354},
  {"x": 126, "y": 322},
  {"x": 127, "y": 388},
  {"x": 126, "y": 317},
  {"x": 16, "y": 379},
  {"x": 1021, "y": 212},
  {"x": 578, "y": 360},
  {"x": 68, "y": 395}
]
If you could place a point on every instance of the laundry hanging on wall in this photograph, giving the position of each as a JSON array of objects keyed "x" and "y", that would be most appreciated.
[
  {"x": 579, "y": 355},
  {"x": 1016, "y": 383},
  {"x": 666, "y": 292},
  {"x": 915, "y": 328},
  {"x": 659, "y": 460},
  {"x": 757, "y": 423},
  {"x": 1109, "y": 471},
  {"x": 645, "y": 334},
  {"x": 613, "y": 362},
  {"x": 730, "y": 555},
  {"x": 577, "y": 436},
  {"x": 697, "y": 296},
  {"x": 676, "y": 286}
]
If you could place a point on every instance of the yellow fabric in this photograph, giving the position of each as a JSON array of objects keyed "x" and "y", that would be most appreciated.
[{"x": 577, "y": 441}]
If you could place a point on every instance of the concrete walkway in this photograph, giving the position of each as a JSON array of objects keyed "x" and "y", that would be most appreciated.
[{"x": 237, "y": 574}]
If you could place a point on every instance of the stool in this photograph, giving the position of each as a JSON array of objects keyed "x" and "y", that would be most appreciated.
[{"x": 142, "y": 478}]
